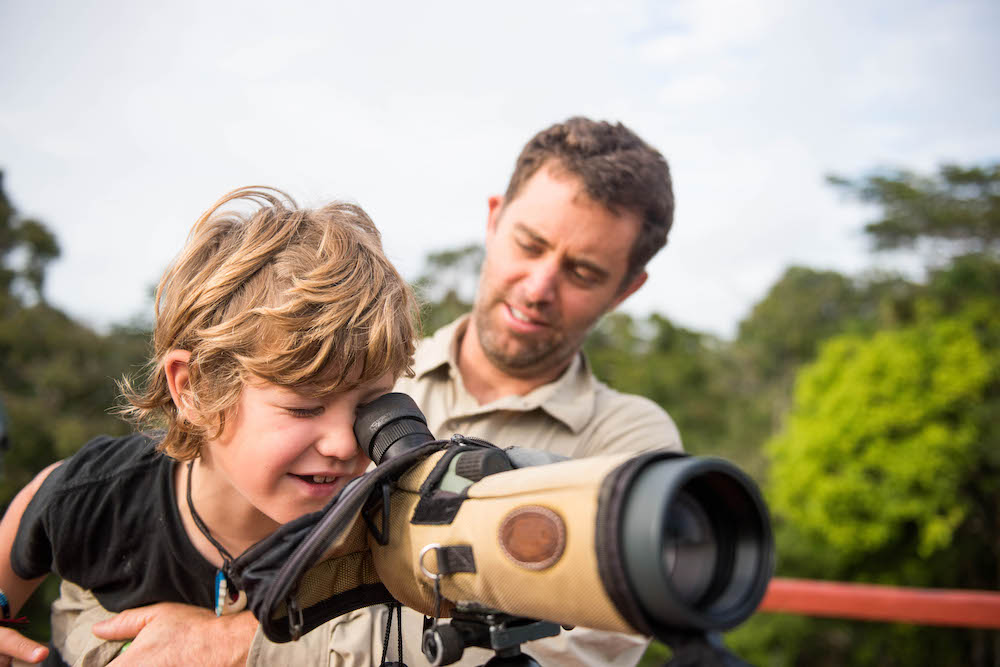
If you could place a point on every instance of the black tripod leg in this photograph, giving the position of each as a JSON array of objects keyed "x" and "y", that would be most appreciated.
[{"x": 703, "y": 649}]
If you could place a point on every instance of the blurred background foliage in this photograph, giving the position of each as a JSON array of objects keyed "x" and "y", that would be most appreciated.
[
  {"x": 867, "y": 406},
  {"x": 57, "y": 376}
]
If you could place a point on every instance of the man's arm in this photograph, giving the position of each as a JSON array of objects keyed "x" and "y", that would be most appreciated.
[
  {"x": 16, "y": 589},
  {"x": 627, "y": 423}
]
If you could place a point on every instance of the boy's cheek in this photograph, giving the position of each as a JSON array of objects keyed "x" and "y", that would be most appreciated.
[{"x": 364, "y": 463}]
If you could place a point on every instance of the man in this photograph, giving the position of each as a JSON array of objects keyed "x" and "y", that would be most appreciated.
[{"x": 588, "y": 205}]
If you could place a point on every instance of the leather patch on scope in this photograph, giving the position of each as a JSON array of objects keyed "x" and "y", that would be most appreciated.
[{"x": 532, "y": 536}]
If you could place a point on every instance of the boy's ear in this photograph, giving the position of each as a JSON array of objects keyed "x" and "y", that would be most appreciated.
[{"x": 175, "y": 367}]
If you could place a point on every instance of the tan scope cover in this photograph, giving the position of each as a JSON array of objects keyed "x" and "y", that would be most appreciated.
[
  {"x": 568, "y": 591},
  {"x": 346, "y": 565}
]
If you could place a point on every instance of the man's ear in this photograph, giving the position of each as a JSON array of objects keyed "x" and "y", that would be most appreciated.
[
  {"x": 493, "y": 217},
  {"x": 636, "y": 283},
  {"x": 175, "y": 367}
]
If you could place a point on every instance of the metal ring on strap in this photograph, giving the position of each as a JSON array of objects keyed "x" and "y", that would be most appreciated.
[{"x": 423, "y": 552}]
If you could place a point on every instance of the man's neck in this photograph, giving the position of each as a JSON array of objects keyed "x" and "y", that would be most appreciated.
[{"x": 487, "y": 383}]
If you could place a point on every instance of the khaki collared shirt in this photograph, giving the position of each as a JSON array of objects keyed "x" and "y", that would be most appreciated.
[{"x": 575, "y": 416}]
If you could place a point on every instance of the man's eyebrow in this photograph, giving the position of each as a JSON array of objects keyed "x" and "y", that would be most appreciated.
[
  {"x": 528, "y": 231},
  {"x": 600, "y": 272}
]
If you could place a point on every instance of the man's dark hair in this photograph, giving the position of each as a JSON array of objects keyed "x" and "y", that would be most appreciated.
[{"x": 619, "y": 170}]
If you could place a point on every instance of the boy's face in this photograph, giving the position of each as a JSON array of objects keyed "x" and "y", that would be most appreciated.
[{"x": 288, "y": 454}]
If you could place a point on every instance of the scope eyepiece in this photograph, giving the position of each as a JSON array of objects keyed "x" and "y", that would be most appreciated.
[{"x": 390, "y": 422}]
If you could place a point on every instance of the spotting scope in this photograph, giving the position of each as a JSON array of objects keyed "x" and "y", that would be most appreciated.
[{"x": 654, "y": 543}]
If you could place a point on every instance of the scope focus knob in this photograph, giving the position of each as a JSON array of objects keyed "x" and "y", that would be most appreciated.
[
  {"x": 442, "y": 645},
  {"x": 479, "y": 463}
]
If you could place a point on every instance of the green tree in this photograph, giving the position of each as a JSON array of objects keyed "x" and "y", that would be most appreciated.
[
  {"x": 807, "y": 306},
  {"x": 887, "y": 472},
  {"x": 446, "y": 285},
  {"x": 26, "y": 248},
  {"x": 887, "y": 467},
  {"x": 57, "y": 376},
  {"x": 956, "y": 211},
  {"x": 878, "y": 449}
]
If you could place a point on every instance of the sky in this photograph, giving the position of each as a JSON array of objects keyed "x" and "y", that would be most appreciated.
[{"x": 121, "y": 122}]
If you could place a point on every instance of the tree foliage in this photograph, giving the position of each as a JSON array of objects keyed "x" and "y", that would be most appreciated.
[
  {"x": 958, "y": 206},
  {"x": 881, "y": 443},
  {"x": 446, "y": 285},
  {"x": 26, "y": 249},
  {"x": 887, "y": 468},
  {"x": 807, "y": 306},
  {"x": 57, "y": 376},
  {"x": 887, "y": 472}
]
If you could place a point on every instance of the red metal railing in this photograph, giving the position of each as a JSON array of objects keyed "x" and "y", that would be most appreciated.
[{"x": 921, "y": 606}]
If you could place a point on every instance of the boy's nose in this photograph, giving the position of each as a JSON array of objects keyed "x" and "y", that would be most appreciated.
[{"x": 339, "y": 443}]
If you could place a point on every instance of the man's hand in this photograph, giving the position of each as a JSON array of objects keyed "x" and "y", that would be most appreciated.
[
  {"x": 15, "y": 645},
  {"x": 177, "y": 634}
]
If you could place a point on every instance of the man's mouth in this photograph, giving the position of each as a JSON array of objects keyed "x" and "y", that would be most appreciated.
[{"x": 522, "y": 317}]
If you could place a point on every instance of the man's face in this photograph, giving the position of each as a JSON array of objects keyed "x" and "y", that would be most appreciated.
[{"x": 555, "y": 261}]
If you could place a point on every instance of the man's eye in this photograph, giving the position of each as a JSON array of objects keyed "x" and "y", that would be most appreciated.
[
  {"x": 529, "y": 248},
  {"x": 584, "y": 277}
]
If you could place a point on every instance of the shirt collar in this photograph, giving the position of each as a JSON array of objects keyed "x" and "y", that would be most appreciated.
[{"x": 569, "y": 398}]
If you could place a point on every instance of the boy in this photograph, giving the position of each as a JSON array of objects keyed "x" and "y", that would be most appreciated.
[{"x": 272, "y": 328}]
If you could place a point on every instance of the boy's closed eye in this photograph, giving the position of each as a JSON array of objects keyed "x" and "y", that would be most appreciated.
[
  {"x": 305, "y": 412},
  {"x": 316, "y": 410}
]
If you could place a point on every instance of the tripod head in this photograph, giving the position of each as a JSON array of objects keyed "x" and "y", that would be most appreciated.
[{"x": 444, "y": 643}]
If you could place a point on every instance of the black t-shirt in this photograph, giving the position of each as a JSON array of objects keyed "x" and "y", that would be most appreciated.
[{"x": 106, "y": 519}]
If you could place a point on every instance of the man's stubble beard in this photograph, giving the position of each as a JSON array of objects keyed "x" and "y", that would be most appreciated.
[{"x": 529, "y": 356}]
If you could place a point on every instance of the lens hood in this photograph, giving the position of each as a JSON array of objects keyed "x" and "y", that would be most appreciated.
[{"x": 684, "y": 542}]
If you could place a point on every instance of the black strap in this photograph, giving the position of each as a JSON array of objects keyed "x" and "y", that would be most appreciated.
[
  {"x": 399, "y": 631},
  {"x": 399, "y": 635},
  {"x": 227, "y": 558},
  {"x": 454, "y": 559}
]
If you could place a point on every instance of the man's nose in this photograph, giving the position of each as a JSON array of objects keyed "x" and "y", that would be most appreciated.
[{"x": 541, "y": 282}]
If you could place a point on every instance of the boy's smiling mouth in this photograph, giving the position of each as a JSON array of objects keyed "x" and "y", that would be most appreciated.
[{"x": 318, "y": 480}]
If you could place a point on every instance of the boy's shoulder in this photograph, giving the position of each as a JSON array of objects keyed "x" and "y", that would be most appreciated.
[
  {"x": 107, "y": 520},
  {"x": 107, "y": 457},
  {"x": 90, "y": 491}
]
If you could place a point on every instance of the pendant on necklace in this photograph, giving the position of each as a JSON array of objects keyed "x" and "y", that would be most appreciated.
[{"x": 228, "y": 598}]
